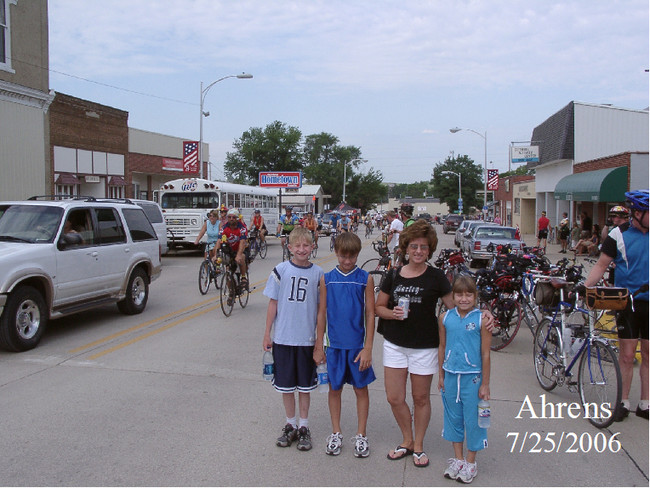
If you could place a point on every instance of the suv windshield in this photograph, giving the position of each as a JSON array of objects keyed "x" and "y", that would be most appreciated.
[{"x": 29, "y": 223}]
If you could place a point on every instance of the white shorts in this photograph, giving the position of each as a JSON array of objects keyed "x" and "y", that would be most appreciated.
[{"x": 417, "y": 361}]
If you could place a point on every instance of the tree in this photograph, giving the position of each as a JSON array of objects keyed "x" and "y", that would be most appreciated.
[
  {"x": 445, "y": 186},
  {"x": 274, "y": 148},
  {"x": 416, "y": 190}
]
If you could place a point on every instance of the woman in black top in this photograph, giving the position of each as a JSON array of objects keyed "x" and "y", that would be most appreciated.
[{"x": 411, "y": 344}]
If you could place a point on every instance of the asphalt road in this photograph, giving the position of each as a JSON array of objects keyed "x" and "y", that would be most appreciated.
[{"x": 175, "y": 396}]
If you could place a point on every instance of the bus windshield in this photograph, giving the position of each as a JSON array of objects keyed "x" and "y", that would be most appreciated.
[{"x": 209, "y": 200}]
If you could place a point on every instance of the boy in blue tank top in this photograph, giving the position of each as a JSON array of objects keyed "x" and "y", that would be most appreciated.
[
  {"x": 464, "y": 377},
  {"x": 347, "y": 330}
]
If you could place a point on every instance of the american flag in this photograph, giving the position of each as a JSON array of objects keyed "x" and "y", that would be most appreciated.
[
  {"x": 492, "y": 179},
  {"x": 190, "y": 156}
]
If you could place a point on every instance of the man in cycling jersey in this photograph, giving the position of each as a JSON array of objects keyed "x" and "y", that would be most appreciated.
[
  {"x": 287, "y": 223},
  {"x": 232, "y": 239},
  {"x": 257, "y": 222},
  {"x": 627, "y": 246},
  {"x": 406, "y": 212},
  {"x": 344, "y": 223}
]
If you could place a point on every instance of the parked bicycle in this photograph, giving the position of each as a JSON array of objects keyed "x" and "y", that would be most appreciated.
[
  {"x": 378, "y": 267},
  {"x": 231, "y": 286},
  {"x": 566, "y": 341}
]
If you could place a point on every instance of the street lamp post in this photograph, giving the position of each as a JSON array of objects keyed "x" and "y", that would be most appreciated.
[
  {"x": 204, "y": 92},
  {"x": 460, "y": 197},
  {"x": 345, "y": 167},
  {"x": 484, "y": 136}
]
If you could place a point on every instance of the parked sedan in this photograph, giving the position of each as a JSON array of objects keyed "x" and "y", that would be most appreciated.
[
  {"x": 463, "y": 239},
  {"x": 482, "y": 236},
  {"x": 459, "y": 232}
]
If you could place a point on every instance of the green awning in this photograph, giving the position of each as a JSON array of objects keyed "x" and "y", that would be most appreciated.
[{"x": 602, "y": 185}]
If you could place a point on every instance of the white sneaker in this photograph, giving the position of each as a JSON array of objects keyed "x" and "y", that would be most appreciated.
[
  {"x": 454, "y": 468},
  {"x": 467, "y": 473},
  {"x": 334, "y": 443},
  {"x": 361, "y": 449}
]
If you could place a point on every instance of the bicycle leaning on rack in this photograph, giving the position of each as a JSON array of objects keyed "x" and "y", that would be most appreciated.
[
  {"x": 567, "y": 340},
  {"x": 231, "y": 286}
]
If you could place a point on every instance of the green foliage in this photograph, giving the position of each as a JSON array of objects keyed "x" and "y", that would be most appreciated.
[
  {"x": 279, "y": 147},
  {"x": 274, "y": 148},
  {"x": 445, "y": 186},
  {"x": 419, "y": 189},
  {"x": 520, "y": 170}
]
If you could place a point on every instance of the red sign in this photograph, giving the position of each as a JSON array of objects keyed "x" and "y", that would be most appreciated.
[
  {"x": 283, "y": 179},
  {"x": 492, "y": 179},
  {"x": 191, "y": 156},
  {"x": 172, "y": 164}
]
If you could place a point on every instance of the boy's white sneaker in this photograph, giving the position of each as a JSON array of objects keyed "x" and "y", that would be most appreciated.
[
  {"x": 453, "y": 468},
  {"x": 467, "y": 473},
  {"x": 361, "y": 448},
  {"x": 334, "y": 443}
]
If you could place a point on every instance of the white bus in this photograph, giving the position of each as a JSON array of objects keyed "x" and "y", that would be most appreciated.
[{"x": 186, "y": 202}]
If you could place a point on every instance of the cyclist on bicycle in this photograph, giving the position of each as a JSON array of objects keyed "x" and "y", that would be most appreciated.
[
  {"x": 257, "y": 222},
  {"x": 287, "y": 223},
  {"x": 233, "y": 240},
  {"x": 627, "y": 246},
  {"x": 311, "y": 224},
  {"x": 345, "y": 223},
  {"x": 211, "y": 228}
]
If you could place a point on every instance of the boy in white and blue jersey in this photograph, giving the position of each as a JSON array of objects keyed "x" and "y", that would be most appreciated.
[
  {"x": 292, "y": 289},
  {"x": 464, "y": 377},
  {"x": 346, "y": 328}
]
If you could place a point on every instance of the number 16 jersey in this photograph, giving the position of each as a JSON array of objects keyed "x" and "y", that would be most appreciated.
[{"x": 296, "y": 290}]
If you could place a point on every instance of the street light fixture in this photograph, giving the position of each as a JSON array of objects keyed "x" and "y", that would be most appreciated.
[
  {"x": 484, "y": 136},
  {"x": 204, "y": 92},
  {"x": 345, "y": 167},
  {"x": 460, "y": 198}
]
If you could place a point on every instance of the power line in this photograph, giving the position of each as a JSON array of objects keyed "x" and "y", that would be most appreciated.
[{"x": 105, "y": 84}]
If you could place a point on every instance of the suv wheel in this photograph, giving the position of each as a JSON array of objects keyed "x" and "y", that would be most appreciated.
[
  {"x": 23, "y": 320},
  {"x": 137, "y": 293}
]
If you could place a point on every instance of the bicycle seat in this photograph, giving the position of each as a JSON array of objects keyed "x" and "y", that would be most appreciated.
[{"x": 560, "y": 283}]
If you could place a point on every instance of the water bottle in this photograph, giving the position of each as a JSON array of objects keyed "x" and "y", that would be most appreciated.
[
  {"x": 323, "y": 379},
  {"x": 577, "y": 344},
  {"x": 483, "y": 414},
  {"x": 567, "y": 334},
  {"x": 267, "y": 365}
]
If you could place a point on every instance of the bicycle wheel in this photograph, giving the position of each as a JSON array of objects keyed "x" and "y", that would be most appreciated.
[
  {"x": 371, "y": 264},
  {"x": 204, "y": 277},
  {"x": 530, "y": 317},
  {"x": 332, "y": 243},
  {"x": 599, "y": 383},
  {"x": 227, "y": 295},
  {"x": 263, "y": 249},
  {"x": 254, "y": 249},
  {"x": 244, "y": 293},
  {"x": 546, "y": 354},
  {"x": 507, "y": 313},
  {"x": 314, "y": 251}
]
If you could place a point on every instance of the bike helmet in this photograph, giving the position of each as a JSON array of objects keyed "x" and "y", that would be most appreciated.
[
  {"x": 257, "y": 210},
  {"x": 619, "y": 210},
  {"x": 223, "y": 208},
  {"x": 233, "y": 211},
  {"x": 288, "y": 207},
  {"x": 637, "y": 199}
]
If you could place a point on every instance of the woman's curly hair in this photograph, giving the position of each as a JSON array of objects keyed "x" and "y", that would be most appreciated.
[{"x": 419, "y": 228}]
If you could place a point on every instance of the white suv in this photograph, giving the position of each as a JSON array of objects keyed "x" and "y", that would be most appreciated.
[{"x": 64, "y": 256}]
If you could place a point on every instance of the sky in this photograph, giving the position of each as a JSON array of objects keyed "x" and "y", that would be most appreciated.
[{"x": 389, "y": 77}]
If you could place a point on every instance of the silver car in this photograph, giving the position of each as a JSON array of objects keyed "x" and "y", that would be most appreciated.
[
  {"x": 482, "y": 236},
  {"x": 467, "y": 234}
]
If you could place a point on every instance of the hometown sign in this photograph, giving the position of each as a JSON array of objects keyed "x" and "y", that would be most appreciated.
[{"x": 284, "y": 179}]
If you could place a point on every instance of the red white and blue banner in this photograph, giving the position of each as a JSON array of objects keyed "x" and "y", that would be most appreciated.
[
  {"x": 492, "y": 179},
  {"x": 191, "y": 156}
]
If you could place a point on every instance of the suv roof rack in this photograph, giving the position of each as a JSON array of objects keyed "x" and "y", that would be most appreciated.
[{"x": 86, "y": 198}]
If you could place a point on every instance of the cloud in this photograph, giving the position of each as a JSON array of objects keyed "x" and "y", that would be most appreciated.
[{"x": 370, "y": 44}]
